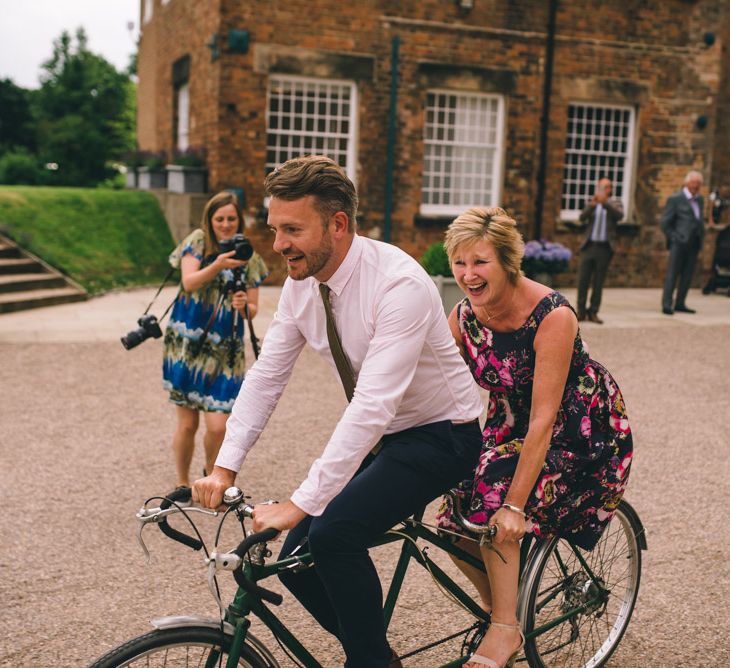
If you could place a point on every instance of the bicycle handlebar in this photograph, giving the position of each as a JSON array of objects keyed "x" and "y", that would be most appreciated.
[
  {"x": 241, "y": 580},
  {"x": 179, "y": 536}
]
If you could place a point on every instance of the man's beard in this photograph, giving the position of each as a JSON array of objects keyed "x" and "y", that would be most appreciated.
[{"x": 314, "y": 261}]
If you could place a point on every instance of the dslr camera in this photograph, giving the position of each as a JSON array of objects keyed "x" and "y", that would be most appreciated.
[
  {"x": 238, "y": 243},
  {"x": 148, "y": 327}
]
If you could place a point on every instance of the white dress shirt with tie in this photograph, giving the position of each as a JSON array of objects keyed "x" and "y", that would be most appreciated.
[
  {"x": 693, "y": 203},
  {"x": 599, "y": 233},
  {"x": 409, "y": 371}
]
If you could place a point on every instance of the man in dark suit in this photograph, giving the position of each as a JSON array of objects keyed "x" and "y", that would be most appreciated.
[
  {"x": 601, "y": 215},
  {"x": 682, "y": 224}
]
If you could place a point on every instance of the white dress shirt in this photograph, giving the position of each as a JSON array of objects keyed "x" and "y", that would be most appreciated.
[
  {"x": 693, "y": 203},
  {"x": 409, "y": 372},
  {"x": 599, "y": 224}
]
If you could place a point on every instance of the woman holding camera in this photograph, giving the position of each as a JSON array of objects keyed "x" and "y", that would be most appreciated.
[{"x": 204, "y": 364}]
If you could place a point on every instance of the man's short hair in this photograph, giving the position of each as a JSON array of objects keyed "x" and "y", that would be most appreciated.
[
  {"x": 693, "y": 175},
  {"x": 320, "y": 177}
]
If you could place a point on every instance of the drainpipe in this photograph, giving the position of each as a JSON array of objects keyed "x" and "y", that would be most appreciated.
[
  {"x": 545, "y": 118},
  {"x": 390, "y": 157}
]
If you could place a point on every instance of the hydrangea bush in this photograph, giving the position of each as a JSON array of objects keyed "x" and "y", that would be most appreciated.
[{"x": 545, "y": 256}]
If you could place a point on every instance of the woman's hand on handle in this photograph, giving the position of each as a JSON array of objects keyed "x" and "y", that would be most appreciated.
[{"x": 510, "y": 526}]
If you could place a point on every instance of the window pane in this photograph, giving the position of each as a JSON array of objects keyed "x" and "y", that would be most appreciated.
[
  {"x": 596, "y": 145},
  {"x": 309, "y": 116},
  {"x": 461, "y": 149}
]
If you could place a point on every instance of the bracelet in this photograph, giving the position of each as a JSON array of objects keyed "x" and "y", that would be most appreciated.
[{"x": 514, "y": 509}]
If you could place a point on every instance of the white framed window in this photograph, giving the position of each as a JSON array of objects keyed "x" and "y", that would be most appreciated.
[
  {"x": 148, "y": 8},
  {"x": 311, "y": 116},
  {"x": 182, "y": 131},
  {"x": 463, "y": 138},
  {"x": 599, "y": 143}
]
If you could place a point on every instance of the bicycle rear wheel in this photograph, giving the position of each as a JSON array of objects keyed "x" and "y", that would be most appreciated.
[
  {"x": 184, "y": 646},
  {"x": 556, "y": 583}
]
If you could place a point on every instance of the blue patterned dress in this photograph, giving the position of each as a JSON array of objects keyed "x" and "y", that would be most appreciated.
[
  {"x": 587, "y": 466},
  {"x": 206, "y": 377}
]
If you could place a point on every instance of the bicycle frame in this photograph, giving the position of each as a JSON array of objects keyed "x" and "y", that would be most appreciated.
[{"x": 408, "y": 533}]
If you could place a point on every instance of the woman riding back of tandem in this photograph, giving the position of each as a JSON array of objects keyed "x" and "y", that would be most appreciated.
[{"x": 557, "y": 445}]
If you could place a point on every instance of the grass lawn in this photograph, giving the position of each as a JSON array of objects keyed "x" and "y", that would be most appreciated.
[{"x": 101, "y": 238}]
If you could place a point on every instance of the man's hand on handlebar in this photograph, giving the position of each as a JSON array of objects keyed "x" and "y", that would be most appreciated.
[
  {"x": 208, "y": 491},
  {"x": 280, "y": 516}
]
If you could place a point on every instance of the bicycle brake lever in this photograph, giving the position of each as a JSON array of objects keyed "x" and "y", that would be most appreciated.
[
  {"x": 212, "y": 585},
  {"x": 142, "y": 543},
  {"x": 486, "y": 541}
]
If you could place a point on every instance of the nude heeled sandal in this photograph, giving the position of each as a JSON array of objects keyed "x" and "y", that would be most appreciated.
[{"x": 491, "y": 663}]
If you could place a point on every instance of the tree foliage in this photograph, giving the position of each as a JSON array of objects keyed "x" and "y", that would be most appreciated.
[
  {"x": 17, "y": 130},
  {"x": 85, "y": 113}
]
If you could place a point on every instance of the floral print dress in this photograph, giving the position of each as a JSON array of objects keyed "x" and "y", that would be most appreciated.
[
  {"x": 587, "y": 466},
  {"x": 206, "y": 377}
]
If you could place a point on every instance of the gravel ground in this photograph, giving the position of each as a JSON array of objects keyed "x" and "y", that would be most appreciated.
[{"x": 86, "y": 438}]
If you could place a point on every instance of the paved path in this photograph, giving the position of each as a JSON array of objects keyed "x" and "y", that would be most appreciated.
[{"x": 85, "y": 437}]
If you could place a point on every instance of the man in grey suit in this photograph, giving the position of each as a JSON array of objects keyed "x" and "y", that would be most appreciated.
[
  {"x": 682, "y": 224},
  {"x": 601, "y": 215}
]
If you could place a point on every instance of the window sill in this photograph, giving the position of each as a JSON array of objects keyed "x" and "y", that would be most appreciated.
[{"x": 421, "y": 220}]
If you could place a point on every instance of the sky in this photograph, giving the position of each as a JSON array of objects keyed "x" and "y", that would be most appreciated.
[{"x": 29, "y": 27}]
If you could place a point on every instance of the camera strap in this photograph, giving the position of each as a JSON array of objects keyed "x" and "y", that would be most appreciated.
[{"x": 157, "y": 294}]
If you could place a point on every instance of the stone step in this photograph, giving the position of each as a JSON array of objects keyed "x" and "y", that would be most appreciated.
[
  {"x": 20, "y": 301},
  {"x": 21, "y": 265},
  {"x": 8, "y": 251},
  {"x": 21, "y": 282}
]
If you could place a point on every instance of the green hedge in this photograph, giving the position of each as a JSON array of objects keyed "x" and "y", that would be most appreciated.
[{"x": 100, "y": 238}]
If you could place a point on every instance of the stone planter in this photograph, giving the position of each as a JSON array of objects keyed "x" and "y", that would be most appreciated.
[
  {"x": 149, "y": 178},
  {"x": 545, "y": 278},
  {"x": 449, "y": 290},
  {"x": 183, "y": 179},
  {"x": 130, "y": 178}
]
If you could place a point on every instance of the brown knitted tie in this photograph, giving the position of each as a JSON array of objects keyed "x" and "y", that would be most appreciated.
[{"x": 344, "y": 368}]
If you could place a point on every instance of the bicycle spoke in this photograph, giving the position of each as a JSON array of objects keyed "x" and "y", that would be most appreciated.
[{"x": 597, "y": 589}]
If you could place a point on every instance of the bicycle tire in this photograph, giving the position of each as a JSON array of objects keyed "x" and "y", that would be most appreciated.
[
  {"x": 555, "y": 582},
  {"x": 178, "y": 647}
]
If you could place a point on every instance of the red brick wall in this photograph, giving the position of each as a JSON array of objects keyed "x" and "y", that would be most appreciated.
[{"x": 647, "y": 53}]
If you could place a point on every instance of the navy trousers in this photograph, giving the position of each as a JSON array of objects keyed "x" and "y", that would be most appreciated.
[{"x": 342, "y": 591}]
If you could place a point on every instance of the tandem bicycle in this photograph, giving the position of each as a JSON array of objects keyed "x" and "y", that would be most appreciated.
[{"x": 573, "y": 606}]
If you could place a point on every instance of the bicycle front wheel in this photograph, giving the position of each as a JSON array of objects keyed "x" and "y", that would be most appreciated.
[
  {"x": 183, "y": 646},
  {"x": 580, "y": 602}
]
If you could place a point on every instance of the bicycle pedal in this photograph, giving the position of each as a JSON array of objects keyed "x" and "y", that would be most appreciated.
[{"x": 298, "y": 567}]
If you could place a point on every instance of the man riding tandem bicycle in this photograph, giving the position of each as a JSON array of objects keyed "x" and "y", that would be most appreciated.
[{"x": 410, "y": 434}]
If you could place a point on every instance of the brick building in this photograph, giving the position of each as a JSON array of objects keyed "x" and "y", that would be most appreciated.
[{"x": 435, "y": 106}]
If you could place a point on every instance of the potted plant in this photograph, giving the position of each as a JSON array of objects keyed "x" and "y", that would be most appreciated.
[
  {"x": 543, "y": 259},
  {"x": 132, "y": 163},
  {"x": 187, "y": 172},
  {"x": 436, "y": 263},
  {"x": 151, "y": 174}
]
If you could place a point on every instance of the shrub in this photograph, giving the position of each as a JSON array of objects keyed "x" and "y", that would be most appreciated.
[
  {"x": 19, "y": 167},
  {"x": 193, "y": 156},
  {"x": 435, "y": 260}
]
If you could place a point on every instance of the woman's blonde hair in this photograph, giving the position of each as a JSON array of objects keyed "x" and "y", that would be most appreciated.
[
  {"x": 494, "y": 226},
  {"x": 206, "y": 224}
]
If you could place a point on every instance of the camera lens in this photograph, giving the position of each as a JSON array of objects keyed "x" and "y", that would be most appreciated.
[{"x": 133, "y": 339}]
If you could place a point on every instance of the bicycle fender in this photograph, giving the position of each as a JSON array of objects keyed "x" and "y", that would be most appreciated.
[{"x": 178, "y": 621}]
